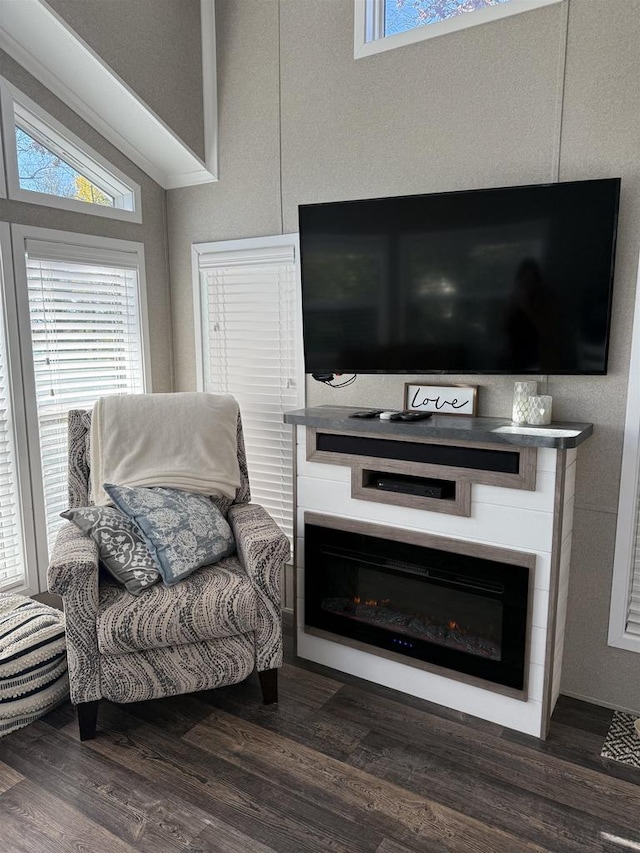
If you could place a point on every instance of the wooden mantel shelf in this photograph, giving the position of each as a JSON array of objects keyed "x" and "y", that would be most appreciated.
[{"x": 559, "y": 436}]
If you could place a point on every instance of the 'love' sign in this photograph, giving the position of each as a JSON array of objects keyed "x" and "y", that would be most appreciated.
[{"x": 441, "y": 399}]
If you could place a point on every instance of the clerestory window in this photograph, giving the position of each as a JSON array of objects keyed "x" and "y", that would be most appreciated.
[
  {"x": 385, "y": 24},
  {"x": 47, "y": 164}
]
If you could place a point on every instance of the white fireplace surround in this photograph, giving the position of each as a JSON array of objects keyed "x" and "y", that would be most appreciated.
[{"x": 536, "y": 521}]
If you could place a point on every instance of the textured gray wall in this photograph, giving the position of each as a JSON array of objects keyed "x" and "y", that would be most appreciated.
[
  {"x": 601, "y": 136},
  {"x": 154, "y": 45},
  {"x": 152, "y": 232},
  {"x": 489, "y": 106},
  {"x": 245, "y": 202}
]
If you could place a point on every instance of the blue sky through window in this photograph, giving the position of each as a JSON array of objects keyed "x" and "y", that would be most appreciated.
[{"x": 403, "y": 15}]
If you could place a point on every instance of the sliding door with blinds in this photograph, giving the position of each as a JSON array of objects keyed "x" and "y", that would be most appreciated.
[
  {"x": 81, "y": 316},
  {"x": 249, "y": 344}
]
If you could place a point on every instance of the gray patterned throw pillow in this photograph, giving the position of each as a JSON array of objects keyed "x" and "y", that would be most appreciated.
[
  {"x": 183, "y": 531},
  {"x": 122, "y": 550}
]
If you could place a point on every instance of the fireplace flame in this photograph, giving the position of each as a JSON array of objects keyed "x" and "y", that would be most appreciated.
[
  {"x": 451, "y": 624},
  {"x": 372, "y": 602}
]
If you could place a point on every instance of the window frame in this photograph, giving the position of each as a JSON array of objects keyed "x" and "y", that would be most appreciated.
[
  {"x": 88, "y": 246},
  {"x": 369, "y": 37},
  {"x": 628, "y": 501},
  {"x": 3, "y": 159},
  {"x": 20, "y": 111},
  {"x": 30, "y": 586}
]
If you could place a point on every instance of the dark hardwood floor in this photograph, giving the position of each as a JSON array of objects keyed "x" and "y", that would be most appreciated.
[{"x": 338, "y": 765}]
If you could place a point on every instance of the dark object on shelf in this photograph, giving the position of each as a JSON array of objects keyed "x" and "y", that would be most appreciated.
[
  {"x": 411, "y": 416},
  {"x": 367, "y": 413},
  {"x": 423, "y": 486}
]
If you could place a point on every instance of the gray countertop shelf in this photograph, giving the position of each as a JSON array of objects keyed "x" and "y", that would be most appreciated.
[{"x": 559, "y": 436}]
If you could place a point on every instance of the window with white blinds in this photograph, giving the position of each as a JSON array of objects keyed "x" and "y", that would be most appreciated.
[
  {"x": 86, "y": 342},
  {"x": 624, "y": 614},
  {"x": 633, "y": 619},
  {"x": 12, "y": 557},
  {"x": 249, "y": 345}
]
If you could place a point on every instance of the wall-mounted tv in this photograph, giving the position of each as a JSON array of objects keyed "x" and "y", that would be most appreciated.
[{"x": 514, "y": 280}]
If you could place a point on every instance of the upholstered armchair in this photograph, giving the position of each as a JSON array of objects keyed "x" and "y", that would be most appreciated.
[{"x": 211, "y": 629}]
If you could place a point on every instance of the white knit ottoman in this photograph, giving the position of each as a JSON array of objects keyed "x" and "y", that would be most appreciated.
[{"x": 33, "y": 661}]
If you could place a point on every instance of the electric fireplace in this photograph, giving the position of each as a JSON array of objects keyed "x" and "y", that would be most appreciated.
[{"x": 452, "y": 610}]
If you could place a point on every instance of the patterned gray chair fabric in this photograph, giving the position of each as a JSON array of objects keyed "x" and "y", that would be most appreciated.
[{"x": 210, "y": 630}]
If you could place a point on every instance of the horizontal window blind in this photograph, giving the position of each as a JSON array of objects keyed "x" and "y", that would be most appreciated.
[
  {"x": 249, "y": 348},
  {"x": 12, "y": 560},
  {"x": 633, "y": 622},
  {"x": 86, "y": 342}
]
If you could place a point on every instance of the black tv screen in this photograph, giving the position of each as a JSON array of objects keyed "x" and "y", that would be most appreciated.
[{"x": 515, "y": 280}]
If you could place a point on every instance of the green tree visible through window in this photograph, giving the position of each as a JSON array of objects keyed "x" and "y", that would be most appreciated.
[{"x": 40, "y": 170}]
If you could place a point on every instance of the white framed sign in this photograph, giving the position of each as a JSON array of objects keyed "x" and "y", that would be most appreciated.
[{"x": 441, "y": 399}]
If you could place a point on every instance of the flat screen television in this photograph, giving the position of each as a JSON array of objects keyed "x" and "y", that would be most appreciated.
[{"x": 514, "y": 280}]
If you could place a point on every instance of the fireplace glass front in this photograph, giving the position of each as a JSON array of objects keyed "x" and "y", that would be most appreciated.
[{"x": 461, "y": 612}]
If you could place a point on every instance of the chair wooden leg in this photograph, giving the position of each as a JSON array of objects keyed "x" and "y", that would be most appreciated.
[
  {"x": 269, "y": 684},
  {"x": 87, "y": 719}
]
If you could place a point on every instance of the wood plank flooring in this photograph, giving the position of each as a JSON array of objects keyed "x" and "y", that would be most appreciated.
[{"x": 338, "y": 765}]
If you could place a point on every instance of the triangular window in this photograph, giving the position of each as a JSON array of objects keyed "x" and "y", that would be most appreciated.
[
  {"x": 49, "y": 165},
  {"x": 386, "y": 24}
]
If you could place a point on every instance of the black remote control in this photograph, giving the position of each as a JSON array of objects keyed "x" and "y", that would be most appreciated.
[
  {"x": 410, "y": 416},
  {"x": 367, "y": 413}
]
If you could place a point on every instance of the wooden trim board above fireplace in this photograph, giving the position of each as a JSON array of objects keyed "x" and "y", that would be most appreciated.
[
  {"x": 472, "y": 459},
  {"x": 475, "y": 462},
  {"x": 365, "y": 476}
]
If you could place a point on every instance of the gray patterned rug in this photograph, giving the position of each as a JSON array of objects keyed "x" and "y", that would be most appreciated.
[{"x": 622, "y": 742}]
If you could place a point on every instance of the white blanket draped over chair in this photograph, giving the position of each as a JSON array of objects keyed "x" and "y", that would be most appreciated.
[{"x": 179, "y": 441}]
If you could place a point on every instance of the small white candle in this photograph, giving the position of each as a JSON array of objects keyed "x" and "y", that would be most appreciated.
[
  {"x": 540, "y": 410},
  {"x": 522, "y": 391}
]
